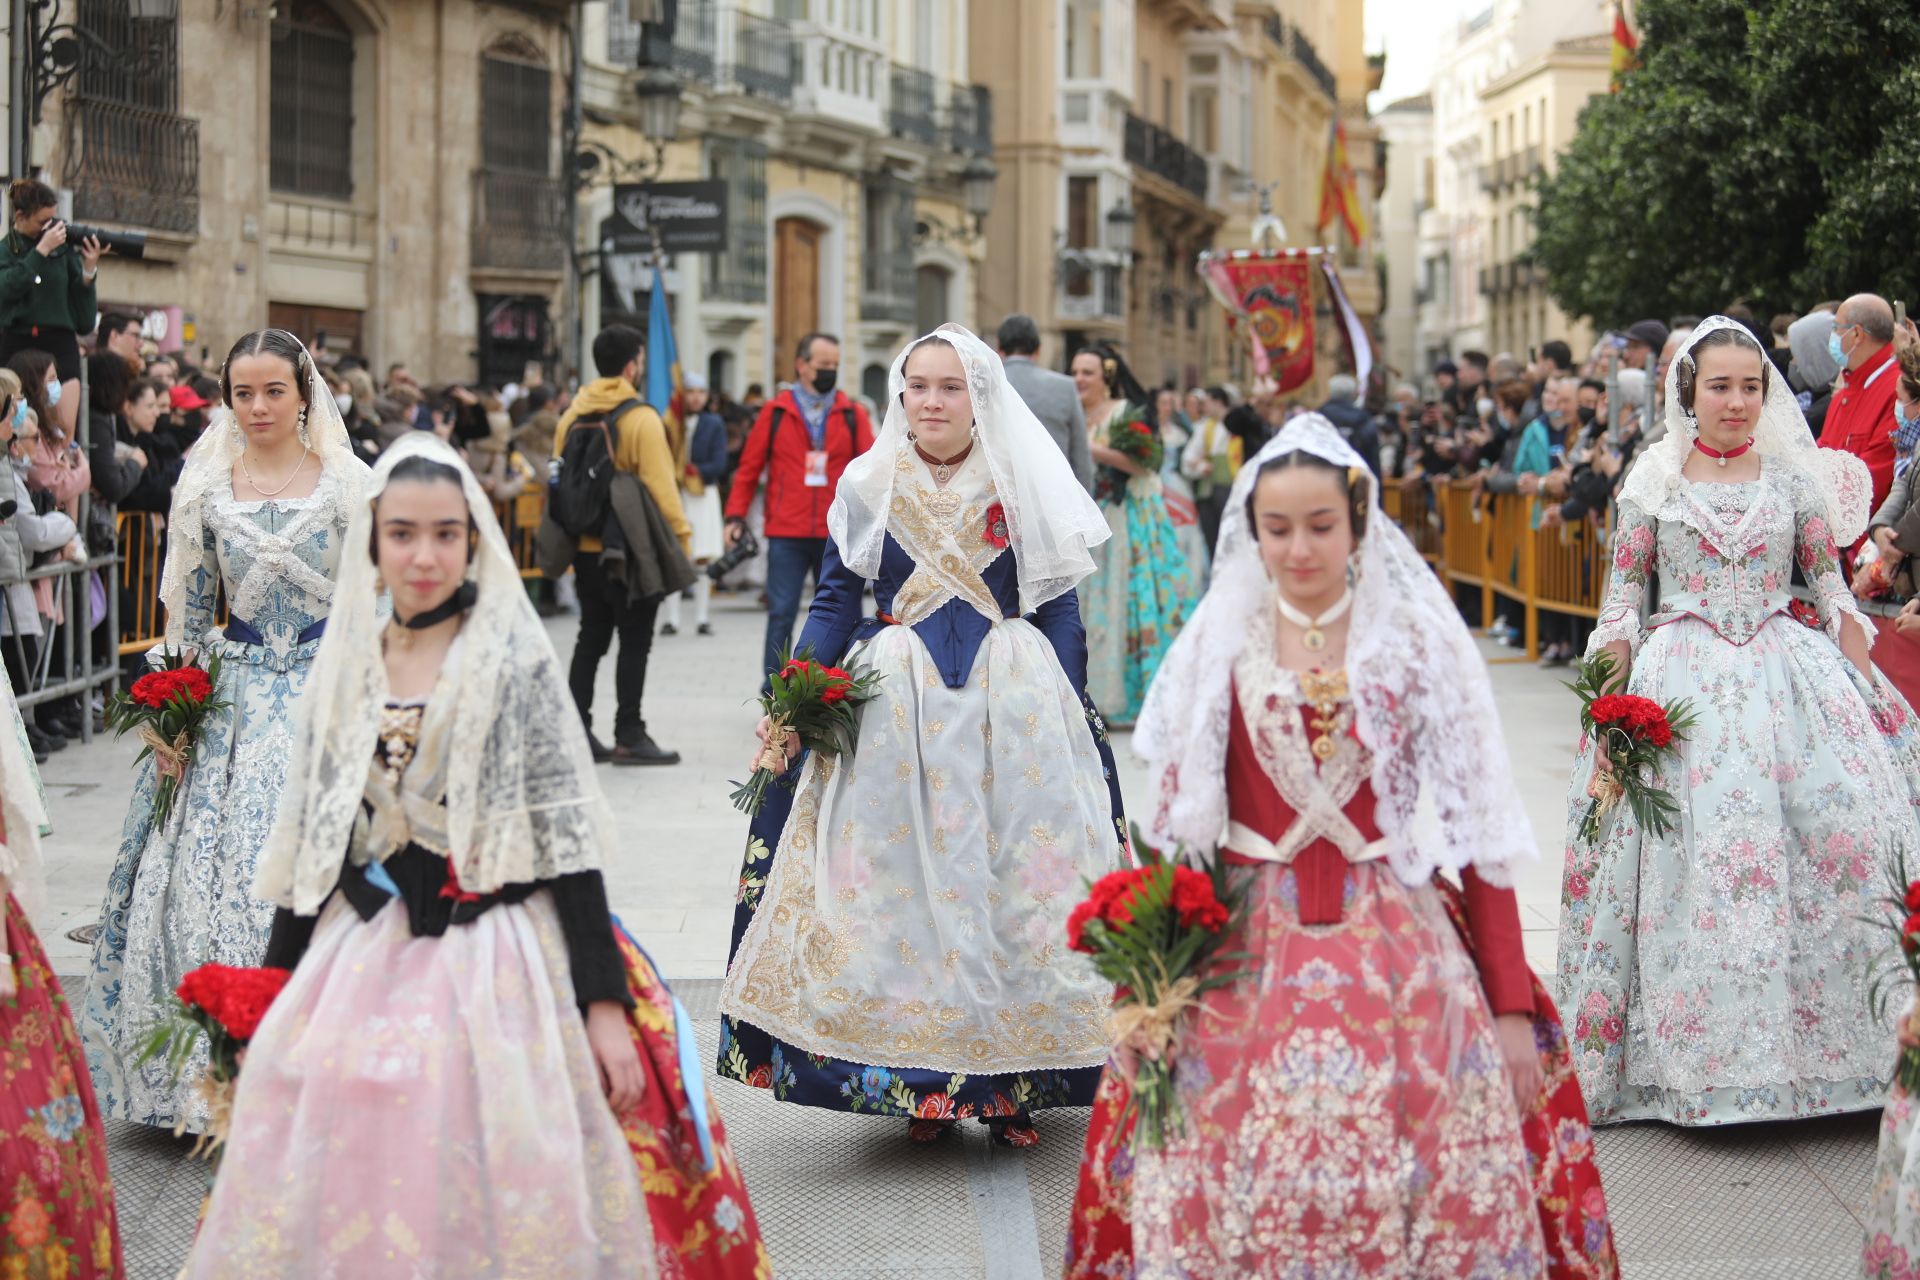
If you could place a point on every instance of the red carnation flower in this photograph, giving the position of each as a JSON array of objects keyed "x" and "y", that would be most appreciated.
[
  {"x": 1195, "y": 901},
  {"x": 1913, "y": 896},
  {"x": 834, "y": 693},
  {"x": 194, "y": 683},
  {"x": 153, "y": 689},
  {"x": 235, "y": 998}
]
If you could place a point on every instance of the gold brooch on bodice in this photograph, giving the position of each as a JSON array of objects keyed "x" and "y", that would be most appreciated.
[{"x": 1325, "y": 691}]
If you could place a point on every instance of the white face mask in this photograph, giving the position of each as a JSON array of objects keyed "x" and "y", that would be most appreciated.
[
  {"x": 345, "y": 401},
  {"x": 1483, "y": 407},
  {"x": 53, "y": 393}
]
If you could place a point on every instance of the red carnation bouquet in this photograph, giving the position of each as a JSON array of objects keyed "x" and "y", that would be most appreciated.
[
  {"x": 1132, "y": 435},
  {"x": 816, "y": 704},
  {"x": 166, "y": 708},
  {"x": 1157, "y": 932},
  {"x": 224, "y": 1005},
  {"x": 1635, "y": 735}
]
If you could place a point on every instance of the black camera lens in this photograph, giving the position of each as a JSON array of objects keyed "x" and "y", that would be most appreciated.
[{"x": 125, "y": 244}]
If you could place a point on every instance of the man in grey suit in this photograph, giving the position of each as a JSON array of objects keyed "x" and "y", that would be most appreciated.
[{"x": 1050, "y": 395}]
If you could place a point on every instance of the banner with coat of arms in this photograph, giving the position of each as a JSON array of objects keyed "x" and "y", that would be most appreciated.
[{"x": 1273, "y": 296}]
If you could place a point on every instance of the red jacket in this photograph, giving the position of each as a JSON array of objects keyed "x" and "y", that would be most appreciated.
[
  {"x": 1860, "y": 419},
  {"x": 795, "y": 510}
]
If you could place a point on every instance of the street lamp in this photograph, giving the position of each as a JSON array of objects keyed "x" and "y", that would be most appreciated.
[
  {"x": 979, "y": 177},
  {"x": 659, "y": 93}
]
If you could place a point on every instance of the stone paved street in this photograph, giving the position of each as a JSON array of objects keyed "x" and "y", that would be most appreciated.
[{"x": 845, "y": 1196}]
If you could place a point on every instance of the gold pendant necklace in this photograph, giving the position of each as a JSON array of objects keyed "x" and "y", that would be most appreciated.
[
  {"x": 1326, "y": 690},
  {"x": 1315, "y": 639}
]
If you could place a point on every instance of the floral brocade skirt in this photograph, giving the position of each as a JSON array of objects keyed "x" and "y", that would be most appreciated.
[
  {"x": 923, "y": 883},
  {"x": 1719, "y": 973},
  {"x": 56, "y": 1199},
  {"x": 1347, "y": 1113},
  {"x": 430, "y": 1106}
]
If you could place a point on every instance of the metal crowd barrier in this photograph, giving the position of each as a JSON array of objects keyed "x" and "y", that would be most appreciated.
[
  {"x": 142, "y": 544},
  {"x": 1488, "y": 545}
]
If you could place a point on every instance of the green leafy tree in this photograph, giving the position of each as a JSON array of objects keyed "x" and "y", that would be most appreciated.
[{"x": 1765, "y": 149}]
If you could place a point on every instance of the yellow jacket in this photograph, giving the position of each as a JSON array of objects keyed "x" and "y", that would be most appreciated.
[{"x": 642, "y": 450}]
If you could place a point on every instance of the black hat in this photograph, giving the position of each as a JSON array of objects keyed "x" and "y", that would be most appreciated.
[
  {"x": 1446, "y": 366},
  {"x": 1650, "y": 332}
]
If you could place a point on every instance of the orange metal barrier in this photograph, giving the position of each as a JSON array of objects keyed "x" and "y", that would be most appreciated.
[
  {"x": 1488, "y": 543},
  {"x": 141, "y": 538}
]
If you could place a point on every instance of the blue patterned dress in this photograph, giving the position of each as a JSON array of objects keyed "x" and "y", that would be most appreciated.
[
  {"x": 1719, "y": 973},
  {"x": 1141, "y": 591},
  {"x": 182, "y": 895},
  {"x": 935, "y": 829}
]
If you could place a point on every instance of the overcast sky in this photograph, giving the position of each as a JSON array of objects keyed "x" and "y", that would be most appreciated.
[{"x": 1408, "y": 30}]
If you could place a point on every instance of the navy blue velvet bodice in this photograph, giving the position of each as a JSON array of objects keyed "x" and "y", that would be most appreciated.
[{"x": 952, "y": 633}]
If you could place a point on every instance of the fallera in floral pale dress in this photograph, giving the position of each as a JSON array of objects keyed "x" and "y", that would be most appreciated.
[
  {"x": 181, "y": 894},
  {"x": 1718, "y": 974}
]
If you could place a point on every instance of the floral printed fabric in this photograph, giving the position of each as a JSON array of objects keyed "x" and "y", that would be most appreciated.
[
  {"x": 703, "y": 1223},
  {"x": 182, "y": 895},
  {"x": 1892, "y": 1249},
  {"x": 429, "y": 1107},
  {"x": 1137, "y": 599},
  {"x": 1347, "y": 1112},
  {"x": 1567, "y": 1192},
  {"x": 56, "y": 1199},
  {"x": 1717, "y": 974}
]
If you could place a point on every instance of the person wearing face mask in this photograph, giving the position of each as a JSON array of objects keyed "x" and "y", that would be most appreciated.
[
  {"x": 802, "y": 442},
  {"x": 1813, "y": 370},
  {"x": 1895, "y": 528},
  {"x": 1860, "y": 420}
]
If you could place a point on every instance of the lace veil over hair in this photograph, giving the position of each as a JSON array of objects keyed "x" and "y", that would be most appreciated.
[
  {"x": 209, "y": 467},
  {"x": 522, "y": 801},
  {"x": 1842, "y": 480},
  {"x": 1423, "y": 701},
  {"x": 1050, "y": 519}
]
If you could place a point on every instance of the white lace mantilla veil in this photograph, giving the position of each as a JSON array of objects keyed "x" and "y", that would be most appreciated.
[
  {"x": 523, "y": 804},
  {"x": 209, "y": 468},
  {"x": 1842, "y": 480},
  {"x": 24, "y": 811},
  {"x": 1051, "y": 520},
  {"x": 1423, "y": 701}
]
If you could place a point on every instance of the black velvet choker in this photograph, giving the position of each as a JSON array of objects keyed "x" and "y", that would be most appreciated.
[{"x": 460, "y": 601}]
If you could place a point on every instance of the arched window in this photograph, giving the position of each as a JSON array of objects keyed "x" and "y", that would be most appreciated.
[
  {"x": 873, "y": 385},
  {"x": 720, "y": 372},
  {"x": 312, "y": 103}
]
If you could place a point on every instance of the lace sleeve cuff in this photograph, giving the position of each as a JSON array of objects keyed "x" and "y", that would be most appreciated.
[
  {"x": 1615, "y": 624},
  {"x": 1837, "y": 607}
]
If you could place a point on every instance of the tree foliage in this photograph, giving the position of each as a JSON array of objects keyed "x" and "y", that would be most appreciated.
[{"x": 1767, "y": 150}]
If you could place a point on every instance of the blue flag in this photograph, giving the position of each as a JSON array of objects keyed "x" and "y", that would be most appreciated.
[{"x": 663, "y": 356}]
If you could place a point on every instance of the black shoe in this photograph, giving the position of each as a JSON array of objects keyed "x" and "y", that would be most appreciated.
[
  {"x": 643, "y": 750},
  {"x": 601, "y": 751},
  {"x": 38, "y": 741},
  {"x": 668, "y": 629},
  {"x": 53, "y": 738},
  {"x": 705, "y": 629},
  {"x": 66, "y": 725}
]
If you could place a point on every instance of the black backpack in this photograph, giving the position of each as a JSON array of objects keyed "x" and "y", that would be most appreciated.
[{"x": 579, "y": 495}]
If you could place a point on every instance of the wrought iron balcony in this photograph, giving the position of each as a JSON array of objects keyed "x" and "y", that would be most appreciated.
[
  {"x": 1288, "y": 37},
  {"x": 764, "y": 54},
  {"x": 1159, "y": 152},
  {"x": 132, "y": 165},
  {"x": 689, "y": 49},
  {"x": 910, "y": 106},
  {"x": 519, "y": 221},
  {"x": 971, "y": 124}
]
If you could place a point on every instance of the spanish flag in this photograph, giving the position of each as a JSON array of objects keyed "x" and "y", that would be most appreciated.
[
  {"x": 1339, "y": 192},
  {"x": 1626, "y": 46}
]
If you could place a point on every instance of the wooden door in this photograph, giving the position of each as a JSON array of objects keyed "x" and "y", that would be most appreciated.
[
  {"x": 796, "y": 290},
  {"x": 343, "y": 328}
]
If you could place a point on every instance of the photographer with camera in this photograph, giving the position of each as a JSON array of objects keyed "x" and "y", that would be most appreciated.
[{"x": 47, "y": 297}]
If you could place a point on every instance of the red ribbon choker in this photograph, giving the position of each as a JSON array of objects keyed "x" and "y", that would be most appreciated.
[{"x": 1711, "y": 452}]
